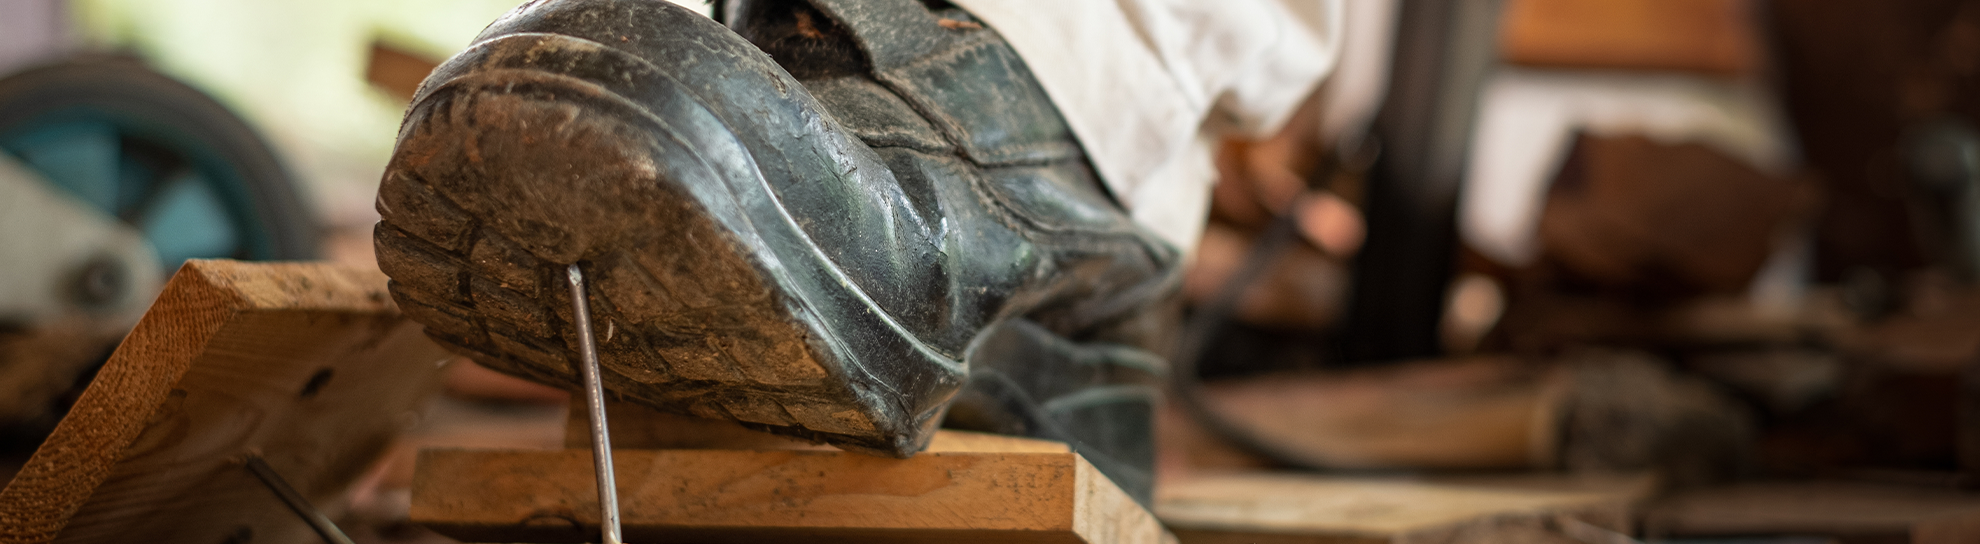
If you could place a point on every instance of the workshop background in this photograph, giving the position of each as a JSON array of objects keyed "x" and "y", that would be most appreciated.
[{"x": 1724, "y": 251}]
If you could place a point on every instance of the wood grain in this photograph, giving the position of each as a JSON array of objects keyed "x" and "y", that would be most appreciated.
[
  {"x": 1299, "y": 508},
  {"x": 798, "y": 496},
  {"x": 635, "y": 426},
  {"x": 308, "y": 365}
]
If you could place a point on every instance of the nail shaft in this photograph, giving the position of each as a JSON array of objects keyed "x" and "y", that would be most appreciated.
[
  {"x": 594, "y": 398},
  {"x": 316, "y": 520}
]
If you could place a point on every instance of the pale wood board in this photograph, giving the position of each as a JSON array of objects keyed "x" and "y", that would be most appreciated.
[
  {"x": 681, "y": 496},
  {"x": 1305, "y": 508},
  {"x": 309, "y": 365}
]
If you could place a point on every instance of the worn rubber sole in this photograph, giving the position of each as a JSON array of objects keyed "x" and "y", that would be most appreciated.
[{"x": 504, "y": 176}]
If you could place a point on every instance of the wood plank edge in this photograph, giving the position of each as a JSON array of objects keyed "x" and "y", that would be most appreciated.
[{"x": 139, "y": 377}]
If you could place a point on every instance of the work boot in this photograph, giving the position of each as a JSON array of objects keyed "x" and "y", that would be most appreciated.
[
  {"x": 1097, "y": 396},
  {"x": 825, "y": 255}
]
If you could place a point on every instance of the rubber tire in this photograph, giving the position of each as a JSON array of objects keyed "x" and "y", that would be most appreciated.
[{"x": 154, "y": 107}]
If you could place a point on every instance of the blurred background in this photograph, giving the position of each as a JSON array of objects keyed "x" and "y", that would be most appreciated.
[{"x": 1722, "y": 243}]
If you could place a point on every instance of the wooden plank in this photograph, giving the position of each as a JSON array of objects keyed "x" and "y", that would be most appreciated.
[
  {"x": 796, "y": 496},
  {"x": 308, "y": 365},
  {"x": 1956, "y": 528},
  {"x": 635, "y": 426},
  {"x": 1710, "y": 36},
  {"x": 973, "y": 442},
  {"x": 1850, "y": 509},
  {"x": 1302, "y": 508},
  {"x": 1474, "y": 413}
]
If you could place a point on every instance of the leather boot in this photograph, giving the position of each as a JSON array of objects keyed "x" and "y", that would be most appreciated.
[{"x": 819, "y": 248}]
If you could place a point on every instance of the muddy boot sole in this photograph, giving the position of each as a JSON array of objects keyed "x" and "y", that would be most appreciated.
[{"x": 534, "y": 151}]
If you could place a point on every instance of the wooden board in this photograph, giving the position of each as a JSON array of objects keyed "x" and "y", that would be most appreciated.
[
  {"x": 1956, "y": 528},
  {"x": 1710, "y": 36},
  {"x": 1473, "y": 413},
  {"x": 307, "y": 364},
  {"x": 680, "y": 496},
  {"x": 1297, "y": 508},
  {"x": 635, "y": 426},
  {"x": 1851, "y": 509}
]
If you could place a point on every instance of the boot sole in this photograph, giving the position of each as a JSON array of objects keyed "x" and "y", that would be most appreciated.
[{"x": 504, "y": 176}]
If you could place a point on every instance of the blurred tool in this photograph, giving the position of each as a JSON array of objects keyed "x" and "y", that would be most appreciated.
[
  {"x": 111, "y": 176},
  {"x": 64, "y": 256}
]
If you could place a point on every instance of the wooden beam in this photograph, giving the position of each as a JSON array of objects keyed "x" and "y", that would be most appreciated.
[
  {"x": 795, "y": 496},
  {"x": 1281, "y": 508},
  {"x": 307, "y": 365}
]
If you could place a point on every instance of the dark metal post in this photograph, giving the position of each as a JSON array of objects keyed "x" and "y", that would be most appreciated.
[{"x": 1444, "y": 51}]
